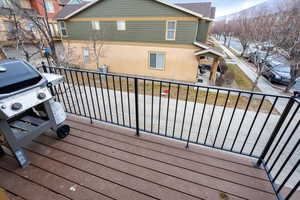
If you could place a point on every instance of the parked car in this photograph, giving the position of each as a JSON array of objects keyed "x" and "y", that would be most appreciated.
[
  {"x": 277, "y": 72},
  {"x": 296, "y": 85},
  {"x": 257, "y": 56},
  {"x": 250, "y": 51}
]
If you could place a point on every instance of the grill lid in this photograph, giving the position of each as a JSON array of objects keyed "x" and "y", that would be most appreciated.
[{"x": 16, "y": 75}]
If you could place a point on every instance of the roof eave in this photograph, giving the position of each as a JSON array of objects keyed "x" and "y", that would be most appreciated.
[{"x": 160, "y": 1}]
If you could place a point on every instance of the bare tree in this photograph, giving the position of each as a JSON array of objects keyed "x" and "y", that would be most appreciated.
[
  {"x": 286, "y": 35},
  {"x": 242, "y": 31},
  {"x": 97, "y": 42},
  {"x": 40, "y": 25}
]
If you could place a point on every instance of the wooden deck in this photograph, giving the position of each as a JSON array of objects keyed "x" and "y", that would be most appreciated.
[{"x": 102, "y": 161}]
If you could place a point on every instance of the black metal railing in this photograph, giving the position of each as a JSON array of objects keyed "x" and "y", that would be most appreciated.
[{"x": 254, "y": 124}]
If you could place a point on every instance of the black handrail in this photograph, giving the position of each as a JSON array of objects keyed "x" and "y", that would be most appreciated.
[{"x": 252, "y": 122}]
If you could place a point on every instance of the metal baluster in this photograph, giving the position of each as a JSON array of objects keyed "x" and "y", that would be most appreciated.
[
  {"x": 283, "y": 148},
  {"x": 184, "y": 112},
  {"x": 97, "y": 97},
  {"x": 144, "y": 105},
  {"x": 159, "y": 108},
  {"x": 211, "y": 117},
  {"x": 152, "y": 106},
  {"x": 221, "y": 119},
  {"x": 242, "y": 121},
  {"x": 282, "y": 134},
  {"x": 128, "y": 98},
  {"x": 252, "y": 124},
  {"x": 192, "y": 120},
  {"x": 136, "y": 95},
  {"x": 108, "y": 97},
  {"x": 202, "y": 115},
  {"x": 288, "y": 176},
  {"x": 116, "y": 103},
  {"x": 176, "y": 106},
  {"x": 231, "y": 118},
  {"x": 79, "y": 87},
  {"x": 262, "y": 129},
  {"x": 75, "y": 92},
  {"x": 276, "y": 130},
  {"x": 167, "y": 117},
  {"x": 285, "y": 161},
  {"x": 91, "y": 94},
  {"x": 69, "y": 89},
  {"x": 86, "y": 97},
  {"x": 122, "y": 103},
  {"x": 102, "y": 94}
]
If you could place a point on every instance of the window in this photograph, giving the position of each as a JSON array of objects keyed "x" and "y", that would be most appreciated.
[
  {"x": 121, "y": 25},
  {"x": 63, "y": 29},
  {"x": 157, "y": 60},
  {"x": 171, "y": 30},
  {"x": 86, "y": 55},
  {"x": 10, "y": 27},
  {"x": 49, "y": 6},
  {"x": 95, "y": 25}
]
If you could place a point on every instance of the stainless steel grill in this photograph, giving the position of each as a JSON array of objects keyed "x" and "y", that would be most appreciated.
[{"x": 27, "y": 107}]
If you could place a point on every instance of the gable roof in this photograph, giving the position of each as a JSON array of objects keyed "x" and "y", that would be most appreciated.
[
  {"x": 203, "y": 8},
  {"x": 208, "y": 49},
  {"x": 69, "y": 11}
]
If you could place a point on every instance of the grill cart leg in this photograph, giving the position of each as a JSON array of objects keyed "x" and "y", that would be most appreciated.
[{"x": 13, "y": 145}]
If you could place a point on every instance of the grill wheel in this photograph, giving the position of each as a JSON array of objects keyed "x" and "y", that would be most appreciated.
[{"x": 63, "y": 131}]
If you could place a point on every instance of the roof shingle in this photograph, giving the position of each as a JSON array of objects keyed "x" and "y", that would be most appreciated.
[{"x": 203, "y": 8}]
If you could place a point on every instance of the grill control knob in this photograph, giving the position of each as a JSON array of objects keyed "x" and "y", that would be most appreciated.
[
  {"x": 41, "y": 96},
  {"x": 16, "y": 106},
  {"x": 3, "y": 107}
]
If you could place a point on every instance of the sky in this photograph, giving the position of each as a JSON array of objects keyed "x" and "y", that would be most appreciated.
[{"x": 225, "y": 7}]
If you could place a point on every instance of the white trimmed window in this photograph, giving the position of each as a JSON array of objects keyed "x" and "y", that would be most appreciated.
[
  {"x": 96, "y": 25},
  {"x": 121, "y": 25},
  {"x": 63, "y": 29},
  {"x": 86, "y": 55},
  {"x": 171, "y": 30},
  {"x": 49, "y": 6},
  {"x": 157, "y": 60}
]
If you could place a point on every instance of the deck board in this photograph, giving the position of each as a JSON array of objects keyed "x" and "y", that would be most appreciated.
[{"x": 106, "y": 162}]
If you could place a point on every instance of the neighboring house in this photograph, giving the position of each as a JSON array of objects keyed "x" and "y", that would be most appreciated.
[
  {"x": 138, "y": 37},
  {"x": 52, "y": 8},
  {"x": 7, "y": 26}
]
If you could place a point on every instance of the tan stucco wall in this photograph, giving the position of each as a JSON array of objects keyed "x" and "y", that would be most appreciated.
[{"x": 180, "y": 64}]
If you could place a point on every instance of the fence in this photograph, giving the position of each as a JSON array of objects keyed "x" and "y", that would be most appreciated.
[{"x": 254, "y": 124}]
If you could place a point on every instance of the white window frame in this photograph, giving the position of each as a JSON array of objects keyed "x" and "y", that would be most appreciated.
[
  {"x": 121, "y": 25},
  {"x": 63, "y": 28},
  {"x": 157, "y": 67},
  {"x": 96, "y": 25},
  {"x": 49, "y": 6},
  {"x": 86, "y": 50},
  {"x": 167, "y": 30}
]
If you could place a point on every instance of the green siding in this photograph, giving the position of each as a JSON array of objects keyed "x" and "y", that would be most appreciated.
[
  {"x": 202, "y": 31},
  {"x": 130, "y": 8},
  {"x": 136, "y": 31}
]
